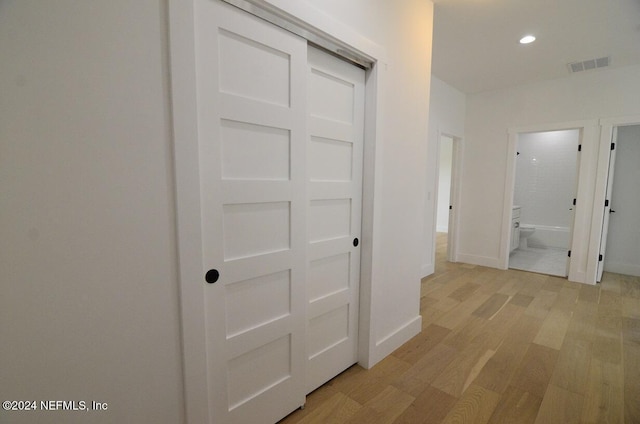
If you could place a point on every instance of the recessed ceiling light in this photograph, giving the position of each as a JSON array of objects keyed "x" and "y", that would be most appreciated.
[{"x": 527, "y": 39}]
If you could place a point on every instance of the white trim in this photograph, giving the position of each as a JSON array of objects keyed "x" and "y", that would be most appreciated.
[
  {"x": 371, "y": 264},
  {"x": 478, "y": 260},
  {"x": 187, "y": 174},
  {"x": 427, "y": 270},
  {"x": 510, "y": 180},
  {"x": 390, "y": 342},
  {"x": 621, "y": 121}
]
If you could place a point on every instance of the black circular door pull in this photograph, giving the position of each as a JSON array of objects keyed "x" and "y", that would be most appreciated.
[
  {"x": 212, "y": 276},
  {"x": 355, "y": 242}
]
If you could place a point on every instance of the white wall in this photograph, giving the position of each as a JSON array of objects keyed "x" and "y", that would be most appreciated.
[
  {"x": 89, "y": 307},
  {"x": 546, "y": 172},
  {"x": 444, "y": 183},
  {"x": 446, "y": 116},
  {"x": 587, "y": 96},
  {"x": 623, "y": 241}
]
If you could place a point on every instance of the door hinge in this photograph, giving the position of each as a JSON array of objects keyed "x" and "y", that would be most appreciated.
[
  {"x": 600, "y": 258},
  {"x": 569, "y": 253},
  {"x": 579, "y": 147},
  {"x": 574, "y": 202},
  {"x": 450, "y": 207},
  {"x": 606, "y": 203},
  {"x": 613, "y": 146}
]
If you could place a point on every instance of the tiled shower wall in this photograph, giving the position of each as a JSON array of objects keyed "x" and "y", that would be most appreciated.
[{"x": 546, "y": 172}]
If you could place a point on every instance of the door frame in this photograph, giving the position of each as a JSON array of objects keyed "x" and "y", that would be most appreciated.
[
  {"x": 582, "y": 218},
  {"x": 318, "y": 28},
  {"x": 604, "y": 233},
  {"x": 598, "y": 211}
]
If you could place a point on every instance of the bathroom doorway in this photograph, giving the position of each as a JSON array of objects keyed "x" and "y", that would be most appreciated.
[
  {"x": 546, "y": 169},
  {"x": 449, "y": 157}
]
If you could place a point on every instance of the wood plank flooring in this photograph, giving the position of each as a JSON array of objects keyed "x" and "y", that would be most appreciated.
[{"x": 500, "y": 347}]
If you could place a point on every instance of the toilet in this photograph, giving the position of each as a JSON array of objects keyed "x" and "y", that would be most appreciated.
[{"x": 525, "y": 232}]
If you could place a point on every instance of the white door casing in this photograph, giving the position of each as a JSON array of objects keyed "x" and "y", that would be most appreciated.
[
  {"x": 335, "y": 153},
  {"x": 251, "y": 95},
  {"x": 607, "y": 205}
]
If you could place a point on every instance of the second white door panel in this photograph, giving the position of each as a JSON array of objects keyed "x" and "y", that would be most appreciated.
[
  {"x": 335, "y": 146},
  {"x": 280, "y": 138}
]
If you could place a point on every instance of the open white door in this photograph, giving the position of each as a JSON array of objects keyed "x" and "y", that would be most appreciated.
[
  {"x": 572, "y": 208},
  {"x": 251, "y": 94},
  {"x": 336, "y": 136},
  {"x": 572, "y": 219},
  {"x": 607, "y": 205},
  {"x": 452, "y": 233}
]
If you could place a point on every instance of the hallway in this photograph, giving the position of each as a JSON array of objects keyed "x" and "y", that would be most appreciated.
[{"x": 501, "y": 347}]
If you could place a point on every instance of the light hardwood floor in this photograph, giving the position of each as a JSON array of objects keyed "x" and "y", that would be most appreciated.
[{"x": 501, "y": 347}]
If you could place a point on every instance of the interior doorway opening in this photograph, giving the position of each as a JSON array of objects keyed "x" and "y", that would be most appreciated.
[
  {"x": 449, "y": 158},
  {"x": 544, "y": 194}
]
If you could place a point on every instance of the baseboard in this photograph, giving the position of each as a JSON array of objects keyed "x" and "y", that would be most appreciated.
[
  {"x": 427, "y": 270},
  {"x": 478, "y": 260},
  {"x": 391, "y": 342},
  {"x": 626, "y": 269},
  {"x": 580, "y": 277}
]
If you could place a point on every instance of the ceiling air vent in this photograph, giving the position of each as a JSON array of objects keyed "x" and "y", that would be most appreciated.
[{"x": 587, "y": 65}]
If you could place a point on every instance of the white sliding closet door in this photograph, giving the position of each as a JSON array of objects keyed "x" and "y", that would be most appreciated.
[
  {"x": 335, "y": 146},
  {"x": 280, "y": 138},
  {"x": 251, "y": 81}
]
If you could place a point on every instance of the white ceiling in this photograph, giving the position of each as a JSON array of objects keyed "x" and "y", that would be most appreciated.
[{"x": 475, "y": 42}]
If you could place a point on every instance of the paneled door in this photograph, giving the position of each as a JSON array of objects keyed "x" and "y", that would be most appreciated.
[
  {"x": 251, "y": 82},
  {"x": 334, "y": 151}
]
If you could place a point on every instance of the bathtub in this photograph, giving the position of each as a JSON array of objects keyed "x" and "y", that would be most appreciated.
[{"x": 548, "y": 236}]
